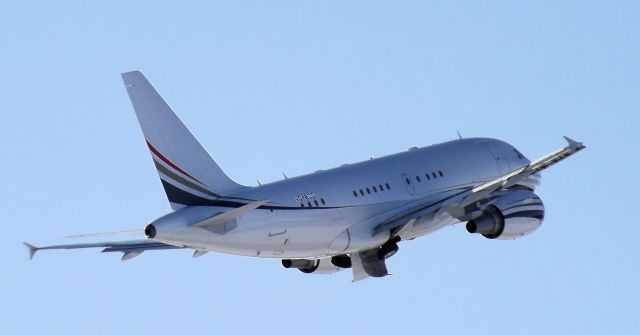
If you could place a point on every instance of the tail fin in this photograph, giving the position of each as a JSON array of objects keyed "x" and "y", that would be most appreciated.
[{"x": 189, "y": 175}]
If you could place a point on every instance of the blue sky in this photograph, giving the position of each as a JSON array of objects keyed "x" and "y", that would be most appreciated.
[{"x": 300, "y": 86}]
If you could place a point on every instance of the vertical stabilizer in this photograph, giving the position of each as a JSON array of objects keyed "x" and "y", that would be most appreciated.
[{"x": 188, "y": 173}]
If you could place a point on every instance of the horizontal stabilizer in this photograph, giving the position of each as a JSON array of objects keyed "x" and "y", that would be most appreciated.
[
  {"x": 130, "y": 249},
  {"x": 110, "y": 233}
]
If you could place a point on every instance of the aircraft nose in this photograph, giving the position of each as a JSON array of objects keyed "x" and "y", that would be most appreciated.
[{"x": 150, "y": 231}]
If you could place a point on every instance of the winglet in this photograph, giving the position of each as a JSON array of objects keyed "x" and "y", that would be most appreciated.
[
  {"x": 32, "y": 250},
  {"x": 574, "y": 146}
]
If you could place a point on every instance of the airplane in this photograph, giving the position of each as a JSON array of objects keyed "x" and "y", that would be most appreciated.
[{"x": 352, "y": 216}]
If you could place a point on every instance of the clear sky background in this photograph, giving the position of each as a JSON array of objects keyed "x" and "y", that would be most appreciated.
[{"x": 300, "y": 86}]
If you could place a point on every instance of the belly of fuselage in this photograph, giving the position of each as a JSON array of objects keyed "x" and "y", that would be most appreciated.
[{"x": 281, "y": 233}]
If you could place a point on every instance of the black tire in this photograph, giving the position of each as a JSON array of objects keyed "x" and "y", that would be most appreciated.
[
  {"x": 341, "y": 261},
  {"x": 310, "y": 269},
  {"x": 387, "y": 250}
]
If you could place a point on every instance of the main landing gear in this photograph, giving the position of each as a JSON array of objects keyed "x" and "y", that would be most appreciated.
[
  {"x": 384, "y": 252},
  {"x": 388, "y": 249}
]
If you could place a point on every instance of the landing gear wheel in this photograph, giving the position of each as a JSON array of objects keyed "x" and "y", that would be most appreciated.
[
  {"x": 310, "y": 269},
  {"x": 387, "y": 250},
  {"x": 341, "y": 261}
]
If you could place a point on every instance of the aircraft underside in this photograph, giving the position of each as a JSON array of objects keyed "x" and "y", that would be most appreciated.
[{"x": 291, "y": 234}]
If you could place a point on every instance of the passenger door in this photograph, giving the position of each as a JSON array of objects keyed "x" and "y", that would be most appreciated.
[{"x": 408, "y": 183}]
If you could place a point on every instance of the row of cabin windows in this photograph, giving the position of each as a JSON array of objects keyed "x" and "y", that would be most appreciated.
[
  {"x": 368, "y": 190},
  {"x": 429, "y": 176},
  {"x": 315, "y": 201}
]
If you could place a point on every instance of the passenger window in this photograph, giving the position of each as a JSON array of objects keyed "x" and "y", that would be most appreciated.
[
  {"x": 440, "y": 173},
  {"x": 316, "y": 202},
  {"x": 322, "y": 201},
  {"x": 434, "y": 175},
  {"x": 408, "y": 181},
  {"x": 309, "y": 203},
  {"x": 418, "y": 179},
  {"x": 427, "y": 175},
  {"x": 355, "y": 194},
  {"x": 361, "y": 192},
  {"x": 368, "y": 191},
  {"x": 302, "y": 205},
  {"x": 375, "y": 189},
  {"x": 388, "y": 187},
  {"x": 381, "y": 189}
]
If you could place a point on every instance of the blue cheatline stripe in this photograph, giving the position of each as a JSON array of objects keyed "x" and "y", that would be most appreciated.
[
  {"x": 182, "y": 180},
  {"x": 182, "y": 197}
]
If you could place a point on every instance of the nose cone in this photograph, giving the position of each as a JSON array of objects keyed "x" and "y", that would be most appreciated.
[{"x": 150, "y": 231}]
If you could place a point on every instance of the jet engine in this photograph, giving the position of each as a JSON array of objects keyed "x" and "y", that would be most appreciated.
[
  {"x": 319, "y": 267},
  {"x": 508, "y": 215}
]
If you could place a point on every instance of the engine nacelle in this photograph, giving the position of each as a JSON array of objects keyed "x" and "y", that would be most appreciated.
[
  {"x": 509, "y": 215},
  {"x": 319, "y": 267}
]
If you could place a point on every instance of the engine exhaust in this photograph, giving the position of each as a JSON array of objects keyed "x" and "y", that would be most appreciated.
[
  {"x": 150, "y": 231},
  {"x": 490, "y": 224}
]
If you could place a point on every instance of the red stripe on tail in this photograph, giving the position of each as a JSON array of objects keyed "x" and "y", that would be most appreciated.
[{"x": 168, "y": 162}]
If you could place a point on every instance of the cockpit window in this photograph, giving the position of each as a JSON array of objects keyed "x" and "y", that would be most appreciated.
[{"x": 518, "y": 153}]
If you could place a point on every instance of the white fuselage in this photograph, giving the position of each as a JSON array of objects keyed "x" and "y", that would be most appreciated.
[{"x": 331, "y": 212}]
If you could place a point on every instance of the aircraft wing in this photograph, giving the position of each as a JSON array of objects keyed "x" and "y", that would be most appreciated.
[
  {"x": 129, "y": 249},
  {"x": 451, "y": 203},
  {"x": 455, "y": 203},
  {"x": 512, "y": 178}
]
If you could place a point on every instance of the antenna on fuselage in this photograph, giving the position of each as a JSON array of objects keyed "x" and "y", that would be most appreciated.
[
  {"x": 259, "y": 183},
  {"x": 459, "y": 136},
  {"x": 284, "y": 175}
]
